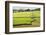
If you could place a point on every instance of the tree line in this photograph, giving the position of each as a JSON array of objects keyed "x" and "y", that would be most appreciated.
[{"x": 21, "y": 10}]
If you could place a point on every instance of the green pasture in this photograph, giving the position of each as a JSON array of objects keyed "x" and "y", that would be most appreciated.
[{"x": 26, "y": 18}]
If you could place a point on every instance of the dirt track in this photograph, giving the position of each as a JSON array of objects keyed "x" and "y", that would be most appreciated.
[{"x": 25, "y": 25}]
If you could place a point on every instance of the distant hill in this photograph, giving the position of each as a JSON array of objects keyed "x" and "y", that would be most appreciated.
[
  {"x": 38, "y": 9},
  {"x": 29, "y": 10}
]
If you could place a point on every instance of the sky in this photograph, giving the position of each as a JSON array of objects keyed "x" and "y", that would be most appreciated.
[{"x": 24, "y": 8}]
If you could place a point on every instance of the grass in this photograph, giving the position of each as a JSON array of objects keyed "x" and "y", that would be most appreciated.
[
  {"x": 21, "y": 20},
  {"x": 26, "y": 18}
]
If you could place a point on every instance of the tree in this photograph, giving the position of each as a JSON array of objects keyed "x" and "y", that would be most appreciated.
[
  {"x": 14, "y": 11},
  {"x": 27, "y": 10}
]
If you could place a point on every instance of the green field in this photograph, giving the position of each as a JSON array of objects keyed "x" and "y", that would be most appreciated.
[{"x": 31, "y": 18}]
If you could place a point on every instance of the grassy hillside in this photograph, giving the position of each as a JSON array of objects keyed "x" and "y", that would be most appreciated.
[{"x": 26, "y": 18}]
